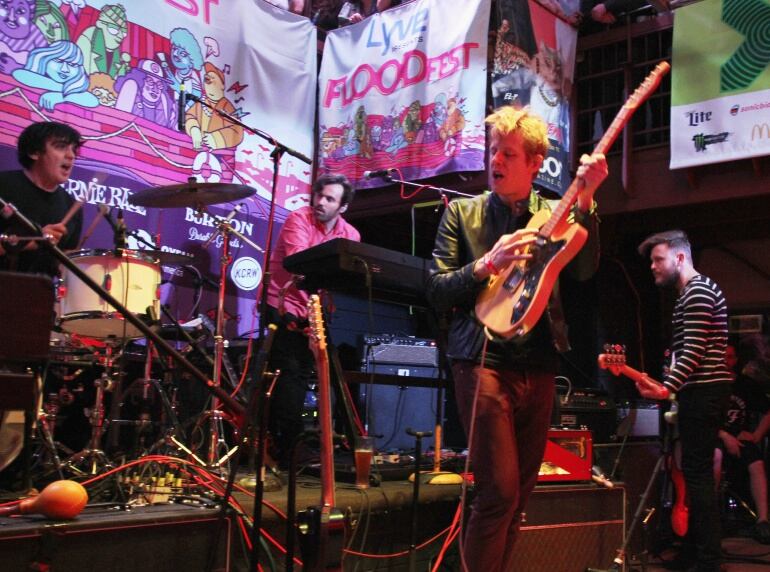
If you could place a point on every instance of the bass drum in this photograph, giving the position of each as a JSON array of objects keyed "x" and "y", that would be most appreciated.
[{"x": 131, "y": 277}]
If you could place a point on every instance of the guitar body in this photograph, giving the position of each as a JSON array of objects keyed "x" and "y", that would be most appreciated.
[
  {"x": 514, "y": 300},
  {"x": 680, "y": 512}
]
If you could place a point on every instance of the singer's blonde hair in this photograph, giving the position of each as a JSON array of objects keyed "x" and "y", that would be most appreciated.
[{"x": 534, "y": 131}]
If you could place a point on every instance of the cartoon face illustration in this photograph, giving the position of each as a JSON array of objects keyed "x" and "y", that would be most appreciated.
[
  {"x": 152, "y": 88},
  {"x": 112, "y": 23},
  {"x": 181, "y": 58},
  {"x": 105, "y": 96},
  {"x": 52, "y": 28},
  {"x": 63, "y": 69},
  {"x": 16, "y": 18},
  {"x": 213, "y": 82}
]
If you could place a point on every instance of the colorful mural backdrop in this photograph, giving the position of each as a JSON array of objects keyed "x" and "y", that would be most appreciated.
[
  {"x": 115, "y": 71},
  {"x": 720, "y": 92},
  {"x": 534, "y": 65},
  {"x": 405, "y": 89}
]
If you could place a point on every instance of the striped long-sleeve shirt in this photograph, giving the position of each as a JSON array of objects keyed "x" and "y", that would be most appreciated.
[{"x": 699, "y": 336}]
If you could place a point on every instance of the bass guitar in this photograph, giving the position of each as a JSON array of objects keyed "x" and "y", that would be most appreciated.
[
  {"x": 323, "y": 527},
  {"x": 513, "y": 301},
  {"x": 614, "y": 360}
]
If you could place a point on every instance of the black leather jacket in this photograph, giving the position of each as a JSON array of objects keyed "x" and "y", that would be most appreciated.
[{"x": 468, "y": 229}]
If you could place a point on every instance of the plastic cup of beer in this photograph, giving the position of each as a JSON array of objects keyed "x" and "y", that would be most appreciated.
[{"x": 363, "y": 452}]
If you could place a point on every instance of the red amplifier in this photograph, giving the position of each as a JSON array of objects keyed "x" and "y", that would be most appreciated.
[{"x": 568, "y": 456}]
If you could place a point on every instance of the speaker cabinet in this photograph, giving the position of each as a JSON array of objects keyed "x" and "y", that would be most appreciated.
[
  {"x": 394, "y": 409},
  {"x": 570, "y": 528},
  {"x": 162, "y": 537}
]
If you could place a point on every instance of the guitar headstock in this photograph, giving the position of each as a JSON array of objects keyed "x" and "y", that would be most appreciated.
[
  {"x": 613, "y": 358},
  {"x": 316, "y": 319},
  {"x": 648, "y": 86}
]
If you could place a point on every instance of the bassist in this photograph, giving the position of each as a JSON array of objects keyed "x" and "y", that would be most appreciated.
[
  {"x": 479, "y": 237},
  {"x": 699, "y": 377}
]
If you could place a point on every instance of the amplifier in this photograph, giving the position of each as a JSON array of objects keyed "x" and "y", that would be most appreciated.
[
  {"x": 402, "y": 350},
  {"x": 400, "y": 369},
  {"x": 639, "y": 419},
  {"x": 587, "y": 409}
]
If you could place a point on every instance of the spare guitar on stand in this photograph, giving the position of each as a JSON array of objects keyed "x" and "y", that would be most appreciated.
[
  {"x": 322, "y": 528},
  {"x": 514, "y": 300}
]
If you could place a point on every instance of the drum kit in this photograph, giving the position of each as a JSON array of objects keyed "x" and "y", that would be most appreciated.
[{"x": 90, "y": 334}]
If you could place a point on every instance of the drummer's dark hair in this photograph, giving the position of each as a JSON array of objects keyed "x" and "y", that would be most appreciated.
[
  {"x": 34, "y": 137},
  {"x": 332, "y": 179}
]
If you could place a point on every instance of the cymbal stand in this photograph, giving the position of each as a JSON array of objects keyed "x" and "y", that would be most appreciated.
[
  {"x": 214, "y": 416},
  {"x": 92, "y": 454}
]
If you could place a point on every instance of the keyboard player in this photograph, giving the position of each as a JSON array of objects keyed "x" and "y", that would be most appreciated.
[{"x": 287, "y": 305}]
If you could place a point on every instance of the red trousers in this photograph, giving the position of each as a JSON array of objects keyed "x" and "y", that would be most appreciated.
[{"x": 513, "y": 414}]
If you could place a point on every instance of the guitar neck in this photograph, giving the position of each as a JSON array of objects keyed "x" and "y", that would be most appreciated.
[
  {"x": 605, "y": 143},
  {"x": 327, "y": 440}
]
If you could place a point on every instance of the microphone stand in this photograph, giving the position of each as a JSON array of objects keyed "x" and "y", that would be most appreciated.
[
  {"x": 259, "y": 393},
  {"x": 440, "y": 190}
]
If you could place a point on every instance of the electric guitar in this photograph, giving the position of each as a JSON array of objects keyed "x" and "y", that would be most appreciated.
[
  {"x": 323, "y": 527},
  {"x": 513, "y": 301},
  {"x": 614, "y": 360}
]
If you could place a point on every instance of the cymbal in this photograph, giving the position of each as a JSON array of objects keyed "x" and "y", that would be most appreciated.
[
  {"x": 191, "y": 194},
  {"x": 168, "y": 258}
]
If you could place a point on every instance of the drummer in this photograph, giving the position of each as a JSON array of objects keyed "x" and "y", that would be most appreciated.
[{"x": 47, "y": 152}]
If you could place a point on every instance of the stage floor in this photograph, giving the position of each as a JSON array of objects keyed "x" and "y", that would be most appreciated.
[{"x": 568, "y": 528}]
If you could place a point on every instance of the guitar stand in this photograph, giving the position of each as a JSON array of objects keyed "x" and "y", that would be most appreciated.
[{"x": 620, "y": 559}]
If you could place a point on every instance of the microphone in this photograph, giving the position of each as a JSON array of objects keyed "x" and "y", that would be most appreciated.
[
  {"x": 599, "y": 477},
  {"x": 193, "y": 97},
  {"x": 382, "y": 173},
  {"x": 236, "y": 209},
  {"x": 180, "y": 109},
  {"x": 120, "y": 233},
  {"x": 108, "y": 217}
]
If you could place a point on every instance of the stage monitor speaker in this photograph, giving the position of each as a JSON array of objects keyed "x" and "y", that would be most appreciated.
[
  {"x": 394, "y": 409},
  {"x": 161, "y": 537},
  {"x": 569, "y": 529}
]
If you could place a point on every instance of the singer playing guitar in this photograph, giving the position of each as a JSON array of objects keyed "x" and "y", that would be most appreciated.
[
  {"x": 476, "y": 238},
  {"x": 699, "y": 376}
]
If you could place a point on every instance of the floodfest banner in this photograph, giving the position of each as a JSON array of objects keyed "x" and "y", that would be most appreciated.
[
  {"x": 114, "y": 71},
  {"x": 534, "y": 65},
  {"x": 720, "y": 94},
  {"x": 405, "y": 89}
]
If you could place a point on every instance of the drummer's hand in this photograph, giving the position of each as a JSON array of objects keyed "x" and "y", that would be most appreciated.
[
  {"x": 55, "y": 231},
  {"x": 508, "y": 248}
]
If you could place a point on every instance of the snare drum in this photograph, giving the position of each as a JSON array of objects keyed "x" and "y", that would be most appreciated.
[{"x": 132, "y": 278}]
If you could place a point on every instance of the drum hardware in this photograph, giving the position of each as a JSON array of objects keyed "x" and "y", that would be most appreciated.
[
  {"x": 10, "y": 211},
  {"x": 92, "y": 457},
  {"x": 199, "y": 195},
  {"x": 192, "y": 194}
]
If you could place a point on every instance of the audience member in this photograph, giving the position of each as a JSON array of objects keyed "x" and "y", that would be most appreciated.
[{"x": 740, "y": 443}]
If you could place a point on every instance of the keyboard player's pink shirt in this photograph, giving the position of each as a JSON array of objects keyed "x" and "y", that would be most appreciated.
[{"x": 300, "y": 232}]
